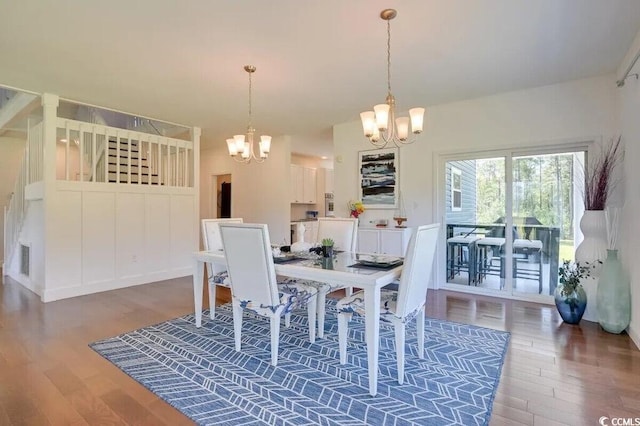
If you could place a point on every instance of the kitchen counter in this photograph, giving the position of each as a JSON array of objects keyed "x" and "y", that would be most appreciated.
[{"x": 304, "y": 220}]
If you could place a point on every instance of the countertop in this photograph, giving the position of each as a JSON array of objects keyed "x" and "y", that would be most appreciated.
[{"x": 303, "y": 220}]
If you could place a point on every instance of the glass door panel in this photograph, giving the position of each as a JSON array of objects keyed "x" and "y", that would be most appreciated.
[
  {"x": 543, "y": 220},
  {"x": 474, "y": 211},
  {"x": 534, "y": 197}
]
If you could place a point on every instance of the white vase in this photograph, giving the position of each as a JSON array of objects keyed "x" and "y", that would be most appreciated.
[{"x": 592, "y": 249}]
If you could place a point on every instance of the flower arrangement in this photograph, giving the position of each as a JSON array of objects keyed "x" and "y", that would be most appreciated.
[
  {"x": 598, "y": 177},
  {"x": 570, "y": 275},
  {"x": 356, "y": 208}
]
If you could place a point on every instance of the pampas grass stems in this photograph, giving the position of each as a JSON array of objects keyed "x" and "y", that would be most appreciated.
[{"x": 598, "y": 176}]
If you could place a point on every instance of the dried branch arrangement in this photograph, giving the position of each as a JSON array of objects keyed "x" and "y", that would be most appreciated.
[{"x": 598, "y": 177}]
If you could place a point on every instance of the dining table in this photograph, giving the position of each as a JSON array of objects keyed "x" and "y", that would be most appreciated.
[{"x": 345, "y": 268}]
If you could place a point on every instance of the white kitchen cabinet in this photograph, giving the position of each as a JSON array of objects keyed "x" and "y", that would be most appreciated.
[
  {"x": 303, "y": 185},
  {"x": 310, "y": 179},
  {"x": 390, "y": 241}
]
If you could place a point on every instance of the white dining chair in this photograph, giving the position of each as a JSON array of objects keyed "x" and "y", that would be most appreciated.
[
  {"x": 249, "y": 257},
  {"x": 344, "y": 233},
  {"x": 216, "y": 272},
  {"x": 400, "y": 306}
]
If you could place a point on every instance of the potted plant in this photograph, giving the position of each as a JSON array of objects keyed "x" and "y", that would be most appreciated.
[
  {"x": 327, "y": 247},
  {"x": 570, "y": 297}
]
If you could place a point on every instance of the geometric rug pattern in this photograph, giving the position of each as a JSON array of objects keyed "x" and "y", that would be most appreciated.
[{"x": 198, "y": 371}]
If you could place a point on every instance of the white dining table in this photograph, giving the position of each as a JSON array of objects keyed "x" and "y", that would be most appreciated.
[{"x": 339, "y": 271}]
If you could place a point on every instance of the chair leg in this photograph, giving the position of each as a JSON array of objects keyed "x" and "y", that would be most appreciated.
[
  {"x": 399, "y": 329},
  {"x": 212, "y": 299},
  {"x": 320, "y": 309},
  {"x": 275, "y": 339},
  {"x": 287, "y": 320},
  {"x": 311, "y": 317},
  {"x": 420, "y": 331},
  {"x": 237, "y": 324},
  {"x": 343, "y": 325}
]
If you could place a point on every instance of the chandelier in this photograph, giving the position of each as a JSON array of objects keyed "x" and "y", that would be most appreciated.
[
  {"x": 381, "y": 126},
  {"x": 241, "y": 148}
]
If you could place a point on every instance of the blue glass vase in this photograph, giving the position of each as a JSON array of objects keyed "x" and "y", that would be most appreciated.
[
  {"x": 571, "y": 306},
  {"x": 614, "y": 295}
]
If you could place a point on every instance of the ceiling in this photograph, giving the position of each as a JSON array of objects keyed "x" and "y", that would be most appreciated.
[{"x": 319, "y": 62}]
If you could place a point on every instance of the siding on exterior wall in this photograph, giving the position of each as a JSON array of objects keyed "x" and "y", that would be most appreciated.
[{"x": 467, "y": 214}]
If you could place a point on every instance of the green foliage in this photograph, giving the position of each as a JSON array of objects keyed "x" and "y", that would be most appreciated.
[
  {"x": 327, "y": 242},
  {"x": 571, "y": 273},
  {"x": 542, "y": 188}
]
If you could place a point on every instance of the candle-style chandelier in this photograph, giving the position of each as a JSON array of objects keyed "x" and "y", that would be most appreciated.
[
  {"x": 240, "y": 147},
  {"x": 381, "y": 126}
]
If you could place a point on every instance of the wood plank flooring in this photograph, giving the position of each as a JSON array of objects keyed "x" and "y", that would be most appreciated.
[{"x": 554, "y": 373}]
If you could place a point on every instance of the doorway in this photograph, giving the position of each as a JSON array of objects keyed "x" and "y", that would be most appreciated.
[
  {"x": 221, "y": 198},
  {"x": 510, "y": 219}
]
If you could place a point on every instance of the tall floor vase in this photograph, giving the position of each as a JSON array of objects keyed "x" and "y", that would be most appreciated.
[
  {"x": 592, "y": 249},
  {"x": 614, "y": 295}
]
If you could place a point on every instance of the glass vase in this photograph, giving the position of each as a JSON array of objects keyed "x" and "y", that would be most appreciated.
[
  {"x": 614, "y": 295},
  {"x": 571, "y": 306}
]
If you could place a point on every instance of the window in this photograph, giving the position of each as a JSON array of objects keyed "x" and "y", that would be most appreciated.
[{"x": 456, "y": 189}]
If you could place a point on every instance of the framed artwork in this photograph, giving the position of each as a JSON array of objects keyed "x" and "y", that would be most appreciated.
[{"x": 379, "y": 183}]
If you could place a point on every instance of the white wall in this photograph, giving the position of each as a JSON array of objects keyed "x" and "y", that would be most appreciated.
[
  {"x": 12, "y": 150},
  {"x": 543, "y": 115},
  {"x": 259, "y": 192},
  {"x": 108, "y": 236},
  {"x": 577, "y": 110},
  {"x": 629, "y": 105}
]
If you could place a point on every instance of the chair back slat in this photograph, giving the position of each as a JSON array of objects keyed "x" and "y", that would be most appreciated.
[
  {"x": 343, "y": 232},
  {"x": 418, "y": 265},
  {"x": 247, "y": 249}
]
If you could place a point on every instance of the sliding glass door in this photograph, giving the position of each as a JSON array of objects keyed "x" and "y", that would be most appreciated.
[{"x": 510, "y": 219}]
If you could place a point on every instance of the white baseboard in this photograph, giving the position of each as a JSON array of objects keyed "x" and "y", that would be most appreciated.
[{"x": 51, "y": 295}]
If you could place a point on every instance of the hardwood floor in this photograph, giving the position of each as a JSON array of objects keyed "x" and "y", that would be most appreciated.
[{"x": 553, "y": 374}]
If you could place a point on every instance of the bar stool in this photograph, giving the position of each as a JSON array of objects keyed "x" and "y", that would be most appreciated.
[
  {"x": 485, "y": 266},
  {"x": 461, "y": 256},
  {"x": 523, "y": 250}
]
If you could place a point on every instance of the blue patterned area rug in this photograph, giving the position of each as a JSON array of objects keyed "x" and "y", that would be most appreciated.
[{"x": 199, "y": 372}]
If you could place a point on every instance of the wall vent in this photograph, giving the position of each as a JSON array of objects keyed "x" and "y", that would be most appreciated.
[{"x": 25, "y": 257}]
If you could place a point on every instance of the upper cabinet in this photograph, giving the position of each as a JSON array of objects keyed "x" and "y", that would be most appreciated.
[{"x": 303, "y": 185}]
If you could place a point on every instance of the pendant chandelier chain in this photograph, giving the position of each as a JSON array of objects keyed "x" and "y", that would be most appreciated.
[
  {"x": 389, "y": 56},
  {"x": 250, "y": 87}
]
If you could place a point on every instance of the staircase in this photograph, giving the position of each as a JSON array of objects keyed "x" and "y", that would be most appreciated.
[{"x": 126, "y": 164}]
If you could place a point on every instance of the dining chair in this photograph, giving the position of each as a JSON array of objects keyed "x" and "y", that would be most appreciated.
[
  {"x": 216, "y": 273},
  {"x": 400, "y": 306},
  {"x": 344, "y": 233},
  {"x": 252, "y": 275}
]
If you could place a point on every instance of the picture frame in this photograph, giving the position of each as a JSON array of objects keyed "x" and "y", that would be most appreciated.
[{"x": 379, "y": 183}]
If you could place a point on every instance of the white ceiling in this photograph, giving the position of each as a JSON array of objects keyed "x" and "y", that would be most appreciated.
[{"x": 319, "y": 62}]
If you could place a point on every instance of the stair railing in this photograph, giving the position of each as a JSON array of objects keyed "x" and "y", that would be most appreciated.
[{"x": 31, "y": 170}]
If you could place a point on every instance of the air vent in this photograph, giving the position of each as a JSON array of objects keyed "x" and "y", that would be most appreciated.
[{"x": 25, "y": 257}]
